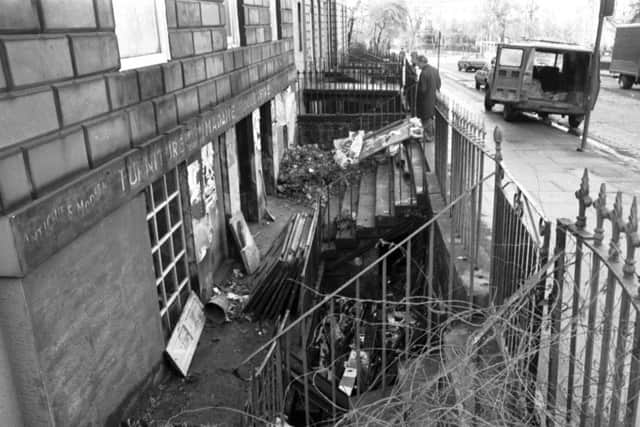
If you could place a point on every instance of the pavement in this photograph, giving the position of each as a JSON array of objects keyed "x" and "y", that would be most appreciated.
[{"x": 543, "y": 158}]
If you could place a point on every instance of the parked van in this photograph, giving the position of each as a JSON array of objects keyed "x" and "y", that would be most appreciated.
[
  {"x": 625, "y": 59},
  {"x": 543, "y": 78}
]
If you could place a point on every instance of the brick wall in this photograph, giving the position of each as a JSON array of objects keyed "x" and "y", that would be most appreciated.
[
  {"x": 65, "y": 111},
  {"x": 64, "y": 107}
]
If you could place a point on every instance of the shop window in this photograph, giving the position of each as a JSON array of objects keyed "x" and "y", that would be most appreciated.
[
  {"x": 232, "y": 26},
  {"x": 168, "y": 247},
  {"x": 141, "y": 29}
]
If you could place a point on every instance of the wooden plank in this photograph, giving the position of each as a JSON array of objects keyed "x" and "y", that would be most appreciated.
[
  {"x": 383, "y": 190},
  {"x": 184, "y": 339},
  {"x": 401, "y": 187},
  {"x": 249, "y": 251},
  {"x": 418, "y": 162},
  {"x": 367, "y": 201},
  {"x": 377, "y": 141}
]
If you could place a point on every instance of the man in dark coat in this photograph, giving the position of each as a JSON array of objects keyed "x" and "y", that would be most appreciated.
[
  {"x": 428, "y": 84},
  {"x": 409, "y": 81}
]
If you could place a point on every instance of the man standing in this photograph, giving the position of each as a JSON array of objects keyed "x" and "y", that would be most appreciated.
[
  {"x": 428, "y": 85},
  {"x": 409, "y": 81}
]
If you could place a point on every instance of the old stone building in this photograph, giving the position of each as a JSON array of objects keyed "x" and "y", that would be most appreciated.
[{"x": 130, "y": 132}]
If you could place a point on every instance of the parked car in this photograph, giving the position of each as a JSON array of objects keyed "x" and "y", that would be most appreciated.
[
  {"x": 482, "y": 75},
  {"x": 543, "y": 78},
  {"x": 471, "y": 63},
  {"x": 625, "y": 59}
]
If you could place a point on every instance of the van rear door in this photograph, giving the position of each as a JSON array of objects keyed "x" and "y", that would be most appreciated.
[{"x": 508, "y": 74}]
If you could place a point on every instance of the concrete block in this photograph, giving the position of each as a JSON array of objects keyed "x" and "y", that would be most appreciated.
[
  {"x": 181, "y": 43},
  {"x": 17, "y": 116},
  {"x": 123, "y": 89},
  {"x": 193, "y": 71},
  {"x": 248, "y": 58},
  {"x": 57, "y": 158},
  {"x": 106, "y": 137},
  {"x": 250, "y": 34},
  {"x": 82, "y": 99},
  {"x": 219, "y": 39},
  {"x": 172, "y": 74},
  {"x": 236, "y": 82},
  {"x": 166, "y": 114},
  {"x": 187, "y": 103},
  {"x": 93, "y": 53},
  {"x": 142, "y": 121},
  {"x": 67, "y": 14},
  {"x": 214, "y": 65},
  {"x": 238, "y": 59},
  {"x": 207, "y": 95},
  {"x": 151, "y": 82},
  {"x": 223, "y": 88},
  {"x": 172, "y": 20},
  {"x": 228, "y": 62},
  {"x": 252, "y": 16},
  {"x": 211, "y": 14},
  {"x": 104, "y": 12},
  {"x": 202, "y": 42},
  {"x": 15, "y": 187},
  {"x": 18, "y": 15},
  {"x": 188, "y": 14},
  {"x": 34, "y": 59}
]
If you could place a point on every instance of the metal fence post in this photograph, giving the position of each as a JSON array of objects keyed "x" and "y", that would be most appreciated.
[{"x": 497, "y": 187}]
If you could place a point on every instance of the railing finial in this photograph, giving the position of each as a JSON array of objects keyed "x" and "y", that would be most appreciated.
[
  {"x": 584, "y": 201},
  {"x": 617, "y": 226},
  {"x": 497, "y": 138},
  {"x": 633, "y": 239},
  {"x": 601, "y": 214}
]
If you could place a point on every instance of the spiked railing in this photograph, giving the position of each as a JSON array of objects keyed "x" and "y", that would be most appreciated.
[{"x": 593, "y": 372}]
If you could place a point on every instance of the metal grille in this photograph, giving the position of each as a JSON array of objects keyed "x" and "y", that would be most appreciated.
[{"x": 168, "y": 247}]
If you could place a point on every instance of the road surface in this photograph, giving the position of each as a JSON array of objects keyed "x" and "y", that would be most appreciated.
[
  {"x": 542, "y": 157},
  {"x": 615, "y": 120}
]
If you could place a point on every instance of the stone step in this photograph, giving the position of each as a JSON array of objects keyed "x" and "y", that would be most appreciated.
[
  {"x": 384, "y": 208},
  {"x": 418, "y": 165},
  {"x": 367, "y": 201},
  {"x": 403, "y": 191},
  {"x": 346, "y": 219}
]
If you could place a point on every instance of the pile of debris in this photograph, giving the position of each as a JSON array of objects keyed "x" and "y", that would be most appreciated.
[
  {"x": 306, "y": 170},
  {"x": 279, "y": 278}
]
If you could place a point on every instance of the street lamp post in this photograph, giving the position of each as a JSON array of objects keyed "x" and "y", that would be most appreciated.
[{"x": 606, "y": 9}]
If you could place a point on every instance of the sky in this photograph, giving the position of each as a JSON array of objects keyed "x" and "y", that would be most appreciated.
[{"x": 580, "y": 15}]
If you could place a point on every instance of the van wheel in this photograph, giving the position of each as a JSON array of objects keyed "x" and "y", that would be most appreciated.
[
  {"x": 509, "y": 113},
  {"x": 625, "y": 82},
  {"x": 575, "y": 120},
  {"x": 488, "y": 103}
]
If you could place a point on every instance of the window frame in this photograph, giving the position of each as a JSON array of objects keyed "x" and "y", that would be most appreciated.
[
  {"x": 163, "y": 35},
  {"x": 232, "y": 24},
  {"x": 509, "y": 49}
]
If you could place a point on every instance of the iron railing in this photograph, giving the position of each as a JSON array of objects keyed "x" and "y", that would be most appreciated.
[
  {"x": 592, "y": 346},
  {"x": 409, "y": 290},
  {"x": 419, "y": 278}
]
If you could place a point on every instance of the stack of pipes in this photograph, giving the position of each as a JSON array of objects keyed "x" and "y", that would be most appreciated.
[{"x": 279, "y": 279}]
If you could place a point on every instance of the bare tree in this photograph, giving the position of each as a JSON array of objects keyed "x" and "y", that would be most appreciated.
[
  {"x": 531, "y": 9},
  {"x": 389, "y": 19},
  {"x": 499, "y": 12}
]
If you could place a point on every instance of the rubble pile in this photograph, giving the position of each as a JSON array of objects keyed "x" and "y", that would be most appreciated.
[{"x": 306, "y": 170}]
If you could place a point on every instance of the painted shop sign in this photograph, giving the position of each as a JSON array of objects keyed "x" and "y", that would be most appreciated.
[{"x": 41, "y": 228}]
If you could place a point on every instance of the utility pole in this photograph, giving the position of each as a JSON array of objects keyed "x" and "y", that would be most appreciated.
[
  {"x": 606, "y": 9},
  {"x": 439, "y": 41}
]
